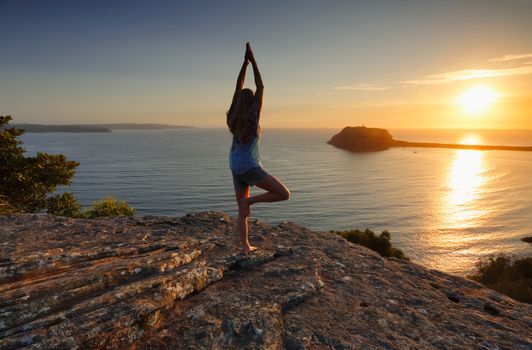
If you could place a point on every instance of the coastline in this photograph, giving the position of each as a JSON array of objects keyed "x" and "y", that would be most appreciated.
[
  {"x": 363, "y": 139},
  {"x": 96, "y": 128},
  {"x": 409, "y": 144}
]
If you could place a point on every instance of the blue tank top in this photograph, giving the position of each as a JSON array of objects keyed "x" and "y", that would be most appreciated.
[
  {"x": 244, "y": 156},
  {"x": 244, "y": 153}
]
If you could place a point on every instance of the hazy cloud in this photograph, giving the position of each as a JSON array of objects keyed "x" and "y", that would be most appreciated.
[
  {"x": 467, "y": 74},
  {"x": 362, "y": 87},
  {"x": 510, "y": 57}
]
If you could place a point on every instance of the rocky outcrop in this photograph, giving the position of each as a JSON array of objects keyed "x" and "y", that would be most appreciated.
[
  {"x": 362, "y": 139},
  {"x": 162, "y": 282}
]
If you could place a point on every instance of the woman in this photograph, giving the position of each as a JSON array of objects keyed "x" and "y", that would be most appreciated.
[{"x": 244, "y": 158}]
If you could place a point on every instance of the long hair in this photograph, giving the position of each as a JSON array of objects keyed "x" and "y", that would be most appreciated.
[{"x": 238, "y": 115}]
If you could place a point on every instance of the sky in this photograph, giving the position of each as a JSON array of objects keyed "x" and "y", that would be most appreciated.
[{"x": 395, "y": 64}]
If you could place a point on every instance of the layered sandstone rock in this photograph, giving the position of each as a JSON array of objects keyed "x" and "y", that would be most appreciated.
[{"x": 162, "y": 282}]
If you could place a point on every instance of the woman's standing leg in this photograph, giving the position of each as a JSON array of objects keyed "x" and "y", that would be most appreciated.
[{"x": 244, "y": 212}]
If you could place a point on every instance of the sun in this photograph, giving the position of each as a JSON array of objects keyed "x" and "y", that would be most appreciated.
[{"x": 477, "y": 100}]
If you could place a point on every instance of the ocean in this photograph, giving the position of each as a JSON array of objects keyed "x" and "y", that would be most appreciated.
[{"x": 446, "y": 209}]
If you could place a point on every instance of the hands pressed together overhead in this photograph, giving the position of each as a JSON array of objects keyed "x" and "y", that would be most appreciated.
[{"x": 248, "y": 57}]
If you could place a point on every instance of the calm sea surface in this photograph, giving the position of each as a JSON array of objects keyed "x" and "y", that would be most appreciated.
[{"x": 445, "y": 208}]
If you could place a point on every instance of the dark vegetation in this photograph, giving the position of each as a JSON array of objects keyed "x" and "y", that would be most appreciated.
[
  {"x": 67, "y": 205},
  {"x": 512, "y": 277},
  {"x": 381, "y": 244},
  {"x": 64, "y": 205},
  {"x": 27, "y": 182}
]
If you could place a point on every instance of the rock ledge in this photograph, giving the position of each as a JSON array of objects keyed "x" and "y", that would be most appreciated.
[{"x": 164, "y": 282}]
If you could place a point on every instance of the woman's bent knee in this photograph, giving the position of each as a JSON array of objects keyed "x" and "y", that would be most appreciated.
[{"x": 285, "y": 195}]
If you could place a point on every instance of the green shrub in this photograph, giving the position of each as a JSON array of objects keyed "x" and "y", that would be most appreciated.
[
  {"x": 508, "y": 276},
  {"x": 381, "y": 243},
  {"x": 64, "y": 205},
  {"x": 109, "y": 207},
  {"x": 25, "y": 182}
]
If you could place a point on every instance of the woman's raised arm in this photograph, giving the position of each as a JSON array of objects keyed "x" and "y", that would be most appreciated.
[
  {"x": 256, "y": 74},
  {"x": 239, "y": 82}
]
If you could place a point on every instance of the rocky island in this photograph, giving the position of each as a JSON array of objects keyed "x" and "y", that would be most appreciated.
[
  {"x": 362, "y": 139},
  {"x": 163, "y": 282}
]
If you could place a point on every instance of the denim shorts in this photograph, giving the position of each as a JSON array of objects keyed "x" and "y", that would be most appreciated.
[{"x": 250, "y": 178}]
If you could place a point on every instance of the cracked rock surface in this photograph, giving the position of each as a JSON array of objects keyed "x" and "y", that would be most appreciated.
[{"x": 163, "y": 282}]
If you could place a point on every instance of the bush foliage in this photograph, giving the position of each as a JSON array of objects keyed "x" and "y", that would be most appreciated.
[
  {"x": 25, "y": 182},
  {"x": 109, "y": 207},
  {"x": 381, "y": 244},
  {"x": 64, "y": 205},
  {"x": 512, "y": 277}
]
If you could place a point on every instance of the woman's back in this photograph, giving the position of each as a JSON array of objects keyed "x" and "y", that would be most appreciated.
[{"x": 245, "y": 151}]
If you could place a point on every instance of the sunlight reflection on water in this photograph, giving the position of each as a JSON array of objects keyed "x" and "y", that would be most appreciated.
[
  {"x": 466, "y": 180},
  {"x": 462, "y": 206}
]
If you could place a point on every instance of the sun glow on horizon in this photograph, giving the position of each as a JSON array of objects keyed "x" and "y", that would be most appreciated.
[
  {"x": 470, "y": 140},
  {"x": 477, "y": 100}
]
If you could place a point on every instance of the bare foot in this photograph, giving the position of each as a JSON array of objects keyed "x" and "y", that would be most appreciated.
[{"x": 248, "y": 249}]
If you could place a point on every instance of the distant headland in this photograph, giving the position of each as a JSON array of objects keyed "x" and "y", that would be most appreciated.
[
  {"x": 95, "y": 127},
  {"x": 362, "y": 139}
]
